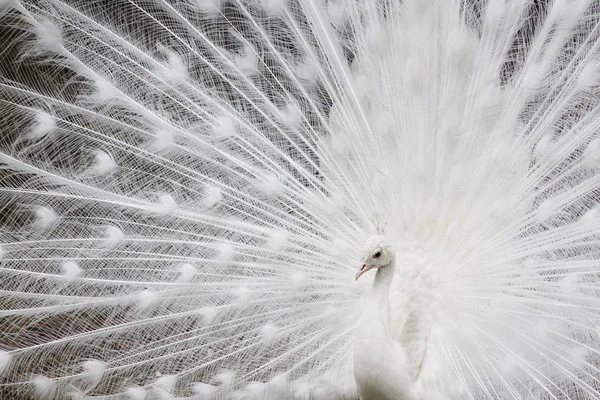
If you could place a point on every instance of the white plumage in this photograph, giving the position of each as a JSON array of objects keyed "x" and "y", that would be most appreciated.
[
  {"x": 185, "y": 187},
  {"x": 381, "y": 365}
]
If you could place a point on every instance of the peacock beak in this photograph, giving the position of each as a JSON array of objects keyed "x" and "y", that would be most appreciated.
[{"x": 363, "y": 268}]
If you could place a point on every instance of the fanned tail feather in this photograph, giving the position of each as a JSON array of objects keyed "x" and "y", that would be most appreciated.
[{"x": 185, "y": 184}]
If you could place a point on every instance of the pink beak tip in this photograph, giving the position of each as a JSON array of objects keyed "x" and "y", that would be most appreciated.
[{"x": 360, "y": 271}]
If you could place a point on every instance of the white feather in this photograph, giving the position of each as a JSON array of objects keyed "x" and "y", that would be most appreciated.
[
  {"x": 43, "y": 125},
  {"x": 45, "y": 217},
  {"x": 43, "y": 387},
  {"x": 209, "y": 314},
  {"x": 103, "y": 163},
  {"x": 269, "y": 333},
  {"x": 48, "y": 35},
  {"x": 225, "y": 252},
  {"x": 592, "y": 151},
  {"x": 70, "y": 270},
  {"x": 104, "y": 91},
  {"x": 145, "y": 299},
  {"x": 198, "y": 177},
  {"x": 224, "y": 128},
  {"x": 4, "y": 360},
  {"x": 225, "y": 378},
  {"x": 136, "y": 393},
  {"x": 113, "y": 237},
  {"x": 165, "y": 384},
  {"x": 166, "y": 204},
  {"x": 243, "y": 294},
  {"x": 273, "y": 8},
  {"x": 174, "y": 69},
  {"x": 211, "y": 197},
  {"x": 94, "y": 369},
  {"x": 203, "y": 389},
  {"x": 186, "y": 273},
  {"x": 209, "y": 6}
]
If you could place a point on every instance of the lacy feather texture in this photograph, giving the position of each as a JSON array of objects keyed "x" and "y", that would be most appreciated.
[{"x": 186, "y": 187}]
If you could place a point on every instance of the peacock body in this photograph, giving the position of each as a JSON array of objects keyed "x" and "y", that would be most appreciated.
[{"x": 186, "y": 186}]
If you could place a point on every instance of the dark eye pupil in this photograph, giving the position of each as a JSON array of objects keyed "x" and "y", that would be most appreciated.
[{"x": 377, "y": 255}]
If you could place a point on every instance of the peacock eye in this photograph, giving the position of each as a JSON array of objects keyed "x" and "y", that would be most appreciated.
[{"x": 377, "y": 255}]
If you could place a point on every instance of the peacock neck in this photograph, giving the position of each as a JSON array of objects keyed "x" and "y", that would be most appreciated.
[
  {"x": 383, "y": 279},
  {"x": 379, "y": 301}
]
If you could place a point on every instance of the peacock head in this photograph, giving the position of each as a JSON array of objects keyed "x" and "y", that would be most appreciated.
[{"x": 377, "y": 253}]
